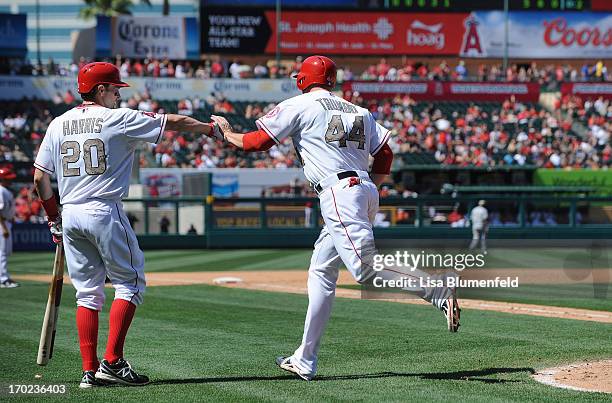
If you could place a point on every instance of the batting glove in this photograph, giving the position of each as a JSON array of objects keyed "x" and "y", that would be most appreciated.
[
  {"x": 55, "y": 227},
  {"x": 216, "y": 132}
]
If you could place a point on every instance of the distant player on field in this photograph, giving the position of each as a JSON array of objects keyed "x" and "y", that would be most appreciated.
[
  {"x": 479, "y": 218},
  {"x": 7, "y": 214}
]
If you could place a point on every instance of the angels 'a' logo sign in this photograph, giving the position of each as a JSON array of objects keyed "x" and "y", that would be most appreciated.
[{"x": 471, "y": 45}]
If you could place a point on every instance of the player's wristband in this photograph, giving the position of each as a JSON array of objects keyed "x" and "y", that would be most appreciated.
[
  {"x": 215, "y": 132},
  {"x": 50, "y": 206}
]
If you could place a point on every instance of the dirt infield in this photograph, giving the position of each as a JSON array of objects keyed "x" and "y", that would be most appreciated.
[
  {"x": 294, "y": 281},
  {"x": 585, "y": 377}
]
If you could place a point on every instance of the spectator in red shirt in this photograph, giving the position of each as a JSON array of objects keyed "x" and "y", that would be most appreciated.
[
  {"x": 216, "y": 69},
  {"x": 454, "y": 216},
  {"x": 69, "y": 97}
]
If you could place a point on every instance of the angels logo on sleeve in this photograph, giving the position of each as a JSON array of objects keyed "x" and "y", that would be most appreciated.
[
  {"x": 273, "y": 112},
  {"x": 152, "y": 115}
]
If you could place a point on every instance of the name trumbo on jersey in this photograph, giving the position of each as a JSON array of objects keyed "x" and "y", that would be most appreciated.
[
  {"x": 335, "y": 105},
  {"x": 78, "y": 126}
]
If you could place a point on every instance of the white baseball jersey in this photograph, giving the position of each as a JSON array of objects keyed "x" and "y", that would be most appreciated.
[
  {"x": 91, "y": 149},
  {"x": 478, "y": 216},
  {"x": 330, "y": 134},
  {"x": 7, "y": 204}
]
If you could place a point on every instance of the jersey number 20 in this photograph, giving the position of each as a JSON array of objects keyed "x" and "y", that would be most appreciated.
[
  {"x": 75, "y": 154},
  {"x": 336, "y": 132}
]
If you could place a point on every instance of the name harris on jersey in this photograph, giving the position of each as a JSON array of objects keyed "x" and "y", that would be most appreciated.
[{"x": 79, "y": 126}]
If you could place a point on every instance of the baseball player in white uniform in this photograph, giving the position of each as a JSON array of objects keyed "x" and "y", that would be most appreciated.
[
  {"x": 7, "y": 213},
  {"x": 480, "y": 226},
  {"x": 90, "y": 149},
  {"x": 334, "y": 140}
]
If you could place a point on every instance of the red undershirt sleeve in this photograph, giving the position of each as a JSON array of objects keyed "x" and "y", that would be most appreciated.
[
  {"x": 257, "y": 141},
  {"x": 383, "y": 160}
]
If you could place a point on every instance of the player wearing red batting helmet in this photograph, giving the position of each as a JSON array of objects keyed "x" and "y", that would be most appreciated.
[
  {"x": 6, "y": 174},
  {"x": 96, "y": 73},
  {"x": 7, "y": 212},
  {"x": 316, "y": 70},
  {"x": 334, "y": 139},
  {"x": 90, "y": 150}
]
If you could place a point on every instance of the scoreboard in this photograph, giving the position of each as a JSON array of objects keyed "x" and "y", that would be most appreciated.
[
  {"x": 469, "y": 5},
  {"x": 418, "y": 5}
]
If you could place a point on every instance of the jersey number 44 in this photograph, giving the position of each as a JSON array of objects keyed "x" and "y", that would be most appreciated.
[{"x": 336, "y": 132}]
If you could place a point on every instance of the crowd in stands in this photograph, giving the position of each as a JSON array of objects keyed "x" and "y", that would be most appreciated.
[
  {"x": 575, "y": 134},
  {"x": 513, "y": 134},
  {"x": 458, "y": 217},
  {"x": 463, "y": 135},
  {"x": 549, "y": 75},
  {"x": 22, "y": 127},
  {"x": 28, "y": 206},
  {"x": 508, "y": 217}
]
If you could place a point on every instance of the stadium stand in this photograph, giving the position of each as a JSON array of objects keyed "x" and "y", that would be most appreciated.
[
  {"x": 576, "y": 134},
  {"x": 548, "y": 75}
]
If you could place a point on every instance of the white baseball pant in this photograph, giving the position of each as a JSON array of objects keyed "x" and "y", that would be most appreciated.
[
  {"x": 348, "y": 213},
  {"x": 479, "y": 235},
  {"x": 100, "y": 242},
  {"x": 6, "y": 248}
]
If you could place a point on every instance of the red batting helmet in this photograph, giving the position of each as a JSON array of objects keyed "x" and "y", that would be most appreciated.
[
  {"x": 316, "y": 70},
  {"x": 96, "y": 73},
  {"x": 7, "y": 174}
]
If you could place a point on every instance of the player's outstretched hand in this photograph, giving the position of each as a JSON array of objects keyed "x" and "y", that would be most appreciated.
[
  {"x": 55, "y": 227},
  {"x": 216, "y": 132},
  {"x": 222, "y": 123}
]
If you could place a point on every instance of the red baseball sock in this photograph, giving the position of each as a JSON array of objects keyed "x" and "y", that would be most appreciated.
[
  {"x": 121, "y": 314},
  {"x": 87, "y": 326}
]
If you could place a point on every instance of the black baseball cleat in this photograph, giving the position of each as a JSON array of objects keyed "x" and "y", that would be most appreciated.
[
  {"x": 120, "y": 372},
  {"x": 89, "y": 380},
  {"x": 451, "y": 310},
  {"x": 286, "y": 364},
  {"x": 8, "y": 283}
]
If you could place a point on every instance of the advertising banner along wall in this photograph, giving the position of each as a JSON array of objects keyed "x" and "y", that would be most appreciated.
[
  {"x": 476, "y": 34},
  {"x": 601, "y": 180},
  {"x": 263, "y": 90},
  {"x": 307, "y": 32},
  {"x": 538, "y": 35},
  {"x": 446, "y": 91},
  {"x": 588, "y": 90},
  {"x": 141, "y": 37}
]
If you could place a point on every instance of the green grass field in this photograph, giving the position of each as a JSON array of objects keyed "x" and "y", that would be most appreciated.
[{"x": 218, "y": 344}]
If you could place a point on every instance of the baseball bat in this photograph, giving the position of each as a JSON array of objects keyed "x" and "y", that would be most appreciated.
[{"x": 47, "y": 335}]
